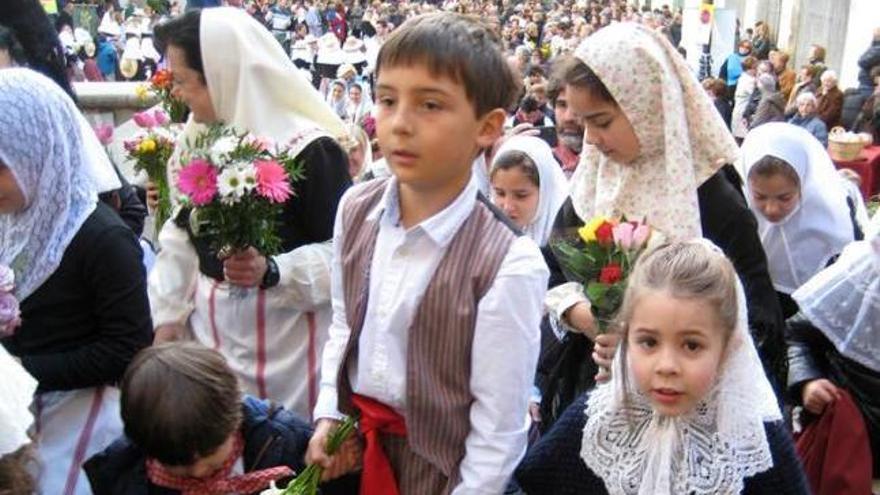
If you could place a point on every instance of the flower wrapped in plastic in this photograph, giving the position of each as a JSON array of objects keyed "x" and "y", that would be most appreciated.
[
  {"x": 10, "y": 313},
  {"x": 236, "y": 185}
]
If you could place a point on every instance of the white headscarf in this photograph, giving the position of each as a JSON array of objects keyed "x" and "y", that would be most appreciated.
[
  {"x": 253, "y": 84},
  {"x": 16, "y": 394},
  {"x": 148, "y": 50},
  {"x": 707, "y": 451},
  {"x": 682, "y": 137},
  {"x": 800, "y": 246},
  {"x": 357, "y": 112},
  {"x": 843, "y": 302},
  {"x": 51, "y": 149},
  {"x": 255, "y": 87},
  {"x": 338, "y": 105},
  {"x": 553, "y": 187}
]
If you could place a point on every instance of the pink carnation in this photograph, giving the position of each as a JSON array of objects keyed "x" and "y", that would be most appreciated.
[
  {"x": 198, "y": 180},
  {"x": 272, "y": 181},
  {"x": 145, "y": 120}
]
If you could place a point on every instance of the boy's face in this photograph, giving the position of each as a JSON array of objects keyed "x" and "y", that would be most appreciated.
[
  {"x": 206, "y": 466},
  {"x": 427, "y": 127}
]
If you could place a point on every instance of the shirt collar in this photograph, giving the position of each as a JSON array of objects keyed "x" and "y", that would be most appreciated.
[{"x": 442, "y": 226}]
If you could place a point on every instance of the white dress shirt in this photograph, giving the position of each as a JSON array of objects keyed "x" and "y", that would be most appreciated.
[{"x": 506, "y": 338}]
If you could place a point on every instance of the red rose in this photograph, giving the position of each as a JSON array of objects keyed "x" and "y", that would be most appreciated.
[
  {"x": 605, "y": 234},
  {"x": 610, "y": 274}
]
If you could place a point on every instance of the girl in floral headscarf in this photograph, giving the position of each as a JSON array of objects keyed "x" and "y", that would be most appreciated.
[{"x": 656, "y": 149}]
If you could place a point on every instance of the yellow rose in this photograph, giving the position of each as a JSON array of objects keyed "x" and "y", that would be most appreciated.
[{"x": 588, "y": 231}]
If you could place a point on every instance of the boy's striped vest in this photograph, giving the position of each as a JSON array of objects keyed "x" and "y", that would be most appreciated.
[{"x": 438, "y": 363}]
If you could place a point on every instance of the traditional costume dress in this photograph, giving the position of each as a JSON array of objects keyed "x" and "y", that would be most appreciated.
[{"x": 270, "y": 336}]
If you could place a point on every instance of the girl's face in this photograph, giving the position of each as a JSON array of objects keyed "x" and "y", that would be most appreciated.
[
  {"x": 11, "y": 198},
  {"x": 675, "y": 350},
  {"x": 516, "y": 194},
  {"x": 774, "y": 196},
  {"x": 354, "y": 94},
  {"x": 337, "y": 91},
  {"x": 605, "y": 125}
]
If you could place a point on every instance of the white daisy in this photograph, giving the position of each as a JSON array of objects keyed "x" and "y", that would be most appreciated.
[
  {"x": 231, "y": 185},
  {"x": 248, "y": 175},
  {"x": 222, "y": 148}
]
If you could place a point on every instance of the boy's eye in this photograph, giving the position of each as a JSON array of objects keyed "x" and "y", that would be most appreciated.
[{"x": 431, "y": 105}]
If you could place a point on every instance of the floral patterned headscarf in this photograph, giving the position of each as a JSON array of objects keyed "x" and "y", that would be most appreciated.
[{"x": 682, "y": 137}]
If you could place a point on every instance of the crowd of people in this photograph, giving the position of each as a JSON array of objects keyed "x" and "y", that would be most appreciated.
[{"x": 446, "y": 148}]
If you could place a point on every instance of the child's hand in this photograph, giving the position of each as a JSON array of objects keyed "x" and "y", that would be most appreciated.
[
  {"x": 604, "y": 347},
  {"x": 535, "y": 411},
  {"x": 817, "y": 394},
  {"x": 347, "y": 459}
]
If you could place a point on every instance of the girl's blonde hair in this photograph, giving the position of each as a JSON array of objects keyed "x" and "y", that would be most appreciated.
[{"x": 685, "y": 270}]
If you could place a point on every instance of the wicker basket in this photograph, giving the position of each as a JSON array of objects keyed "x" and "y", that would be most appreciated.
[{"x": 844, "y": 150}]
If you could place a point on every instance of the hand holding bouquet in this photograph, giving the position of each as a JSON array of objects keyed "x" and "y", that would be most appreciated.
[
  {"x": 150, "y": 151},
  {"x": 307, "y": 481},
  {"x": 237, "y": 185},
  {"x": 601, "y": 258}
]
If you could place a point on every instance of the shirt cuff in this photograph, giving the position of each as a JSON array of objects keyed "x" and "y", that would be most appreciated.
[{"x": 326, "y": 405}]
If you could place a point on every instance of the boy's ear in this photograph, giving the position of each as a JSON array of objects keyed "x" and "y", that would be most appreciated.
[{"x": 491, "y": 128}]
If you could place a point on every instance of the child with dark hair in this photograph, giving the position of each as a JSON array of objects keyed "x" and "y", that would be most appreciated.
[
  {"x": 188, "y": 430},
  {"x": 436, "y": 298}
]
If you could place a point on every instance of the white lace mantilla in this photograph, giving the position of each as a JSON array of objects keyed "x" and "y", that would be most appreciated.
[{"x": 710, "y": 450}]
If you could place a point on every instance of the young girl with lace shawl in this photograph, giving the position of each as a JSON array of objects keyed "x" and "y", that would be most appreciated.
[
  {"x": 656, "y": 149},
  {"x": 688, "y": 408}
]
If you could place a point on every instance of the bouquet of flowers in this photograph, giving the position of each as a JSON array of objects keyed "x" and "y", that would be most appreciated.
[
  {"x": 237, "y": 185},
  {"x": 307, "y": 481},
  {"x": 161, "y": 84},
  {"x": 601, "y": 259},
  {"x": 150, "y": 151},
  {"x": 10, "y": 314}
]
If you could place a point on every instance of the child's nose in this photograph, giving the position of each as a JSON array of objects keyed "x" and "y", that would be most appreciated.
[{"x": 667, "y": 362}]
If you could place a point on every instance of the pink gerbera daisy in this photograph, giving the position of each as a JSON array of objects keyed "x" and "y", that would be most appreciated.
[
  {"x": 198, "y": 180},
  {"x": 272, "y": 181}
]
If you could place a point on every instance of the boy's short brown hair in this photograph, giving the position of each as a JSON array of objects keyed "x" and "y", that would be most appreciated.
[
  {"x": 180, "y": 402},
  {"x": 457, "y": 46}
]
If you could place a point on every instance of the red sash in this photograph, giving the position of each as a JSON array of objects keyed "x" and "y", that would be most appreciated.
[{"x": 375, "y": 419}]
